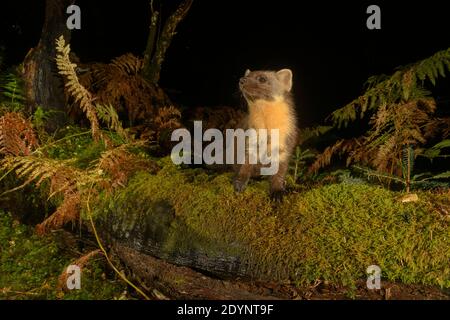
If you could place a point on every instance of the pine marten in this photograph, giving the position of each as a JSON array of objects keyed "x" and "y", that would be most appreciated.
[{"x": 270, "y": 106}]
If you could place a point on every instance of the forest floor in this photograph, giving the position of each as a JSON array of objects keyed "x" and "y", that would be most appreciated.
[
  {"x": 388, "y": 291},
  {"x": 31, "y": 268}
]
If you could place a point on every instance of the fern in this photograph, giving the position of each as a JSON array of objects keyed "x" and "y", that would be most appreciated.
[
  {"x": 68, "y": 70},
  {"x": 297, "y": 166},
  {"x": 64, "y": 180},
  {"x": 118, "y": 88},
  {"x": 67, "y": 211},
  {"x": 423, "y": 180},
  {"x": 313, "y": 132},
  {"x": 436, "y": 150},
  {"x": 108, "y": 115},
  {"x": 121, "y": 85},
  {"x": 341, "y": 147},
  {"x": 119, "y": 164},
  {"x": 128, "y": 63},
  {"x": 166, "y": 119},
  {"x": 402, "y": 114},
  {"x": 17, "y": 137},
  {"x": 407, "y": 165},
  {"x": 40, "y": 117},
  {"x": 404, "y": 85},
  {"x": 442, "y": 175},
  {"x": 12, "y": 95},
  {"x": 392, "y": 127}
]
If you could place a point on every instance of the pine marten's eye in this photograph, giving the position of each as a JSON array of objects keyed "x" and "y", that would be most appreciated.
[{"x": 262, "y": 79}]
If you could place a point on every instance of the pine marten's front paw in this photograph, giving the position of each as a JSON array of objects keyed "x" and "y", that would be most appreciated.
[
  {"x": 277, "y": 195},
  {"x": 239, "y": 185}
]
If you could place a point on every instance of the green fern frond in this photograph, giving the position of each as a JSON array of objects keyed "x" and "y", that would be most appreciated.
[
  {"x": 407, "y": 161},
  {"x": 379, "y": 175},
  {"x": 443, "y": 175},
  {"x": 11, "y": 92},
  {"x": 407, "y": 164},
  {"x": 436, "y": 150},
  {"x": 405, "y": 84},
  {"x": 313, "y": 132}
]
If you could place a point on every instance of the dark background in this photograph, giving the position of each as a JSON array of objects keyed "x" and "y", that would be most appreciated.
[{"x": 326, "y": 44}]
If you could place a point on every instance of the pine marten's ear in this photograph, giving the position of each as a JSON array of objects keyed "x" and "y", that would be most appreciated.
[
  {"x": 285, "y": 77},
  {"x": 247, "y": 72}
]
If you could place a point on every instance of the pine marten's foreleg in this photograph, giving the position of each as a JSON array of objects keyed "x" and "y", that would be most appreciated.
[
  {"x": 242, "y": 177},
  {"x": 278, "y": 182}
]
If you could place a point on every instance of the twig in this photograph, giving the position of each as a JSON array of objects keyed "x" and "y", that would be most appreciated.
[{"x": 104, "y": 251}]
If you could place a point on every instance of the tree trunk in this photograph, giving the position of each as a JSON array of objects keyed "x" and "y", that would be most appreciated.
[
  {"x": 157, "y": 46},
  {"x": 43, "y": 86}
]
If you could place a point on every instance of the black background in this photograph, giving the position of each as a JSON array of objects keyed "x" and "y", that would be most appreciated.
[
  {"x": 326, "y": 44},
  {"x": 283, "y": 309}
]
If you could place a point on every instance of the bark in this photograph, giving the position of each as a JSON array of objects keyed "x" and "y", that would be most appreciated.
[
  {"x": 43, "y": 86},
  {"x": 151, "y": 41},
  {"x": 183, "y": 283},
  {"x": 149, "y": 234},
  {"x": 152, "y": 67},
  {"x": 185, "y": 270}
]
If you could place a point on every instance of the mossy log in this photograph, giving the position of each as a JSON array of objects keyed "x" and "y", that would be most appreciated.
[
  {"x": 185, "y": 283},
  {"x": 150, "y": 233},
  {"x": 188, "y": 218}
]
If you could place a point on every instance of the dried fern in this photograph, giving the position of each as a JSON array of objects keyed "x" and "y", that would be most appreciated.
[
  {"x": 121, "y": 85},
  {"x": 402, "y": 114},
  {"x": 108, "y": 115},
  {"x": 118, "y": 88},
  {"x": 81, "y": 95},
  {"x": 62, "y": 176},
  {"x": 341, "y": 147},
  {"x": 128, "y": 63},
  {"x": 166, "y": 118},
  {"x": 81, "y": 263},
  {"x": 118, "y": 164},
  {"x": 67, "y": 211},
  {"x": 17, "y": 137},
  {"x": 62, "y": 180}
]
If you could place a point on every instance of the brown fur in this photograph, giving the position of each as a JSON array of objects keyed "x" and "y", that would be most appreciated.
[{"x": 270, "y": 106}]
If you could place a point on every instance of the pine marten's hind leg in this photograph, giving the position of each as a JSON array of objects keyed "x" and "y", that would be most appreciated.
[
  {"x": 243, "y": 174},
  {"x": 278, "y": 182}
]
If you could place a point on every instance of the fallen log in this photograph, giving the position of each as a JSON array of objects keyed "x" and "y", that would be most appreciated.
[
  {"x": 184, "y": 283},
  {"x": 149, "y": 234},
  {"x": 190, "y": 225}
]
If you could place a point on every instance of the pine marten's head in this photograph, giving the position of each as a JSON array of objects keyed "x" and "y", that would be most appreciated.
[{"x": 265, "y": 85}]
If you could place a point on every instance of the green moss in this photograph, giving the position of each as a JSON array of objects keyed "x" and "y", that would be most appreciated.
[
  {"x": 333, "y": 232},
  {"x": 30, "y": 267},
  {"x": 72, "y": 142}
]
